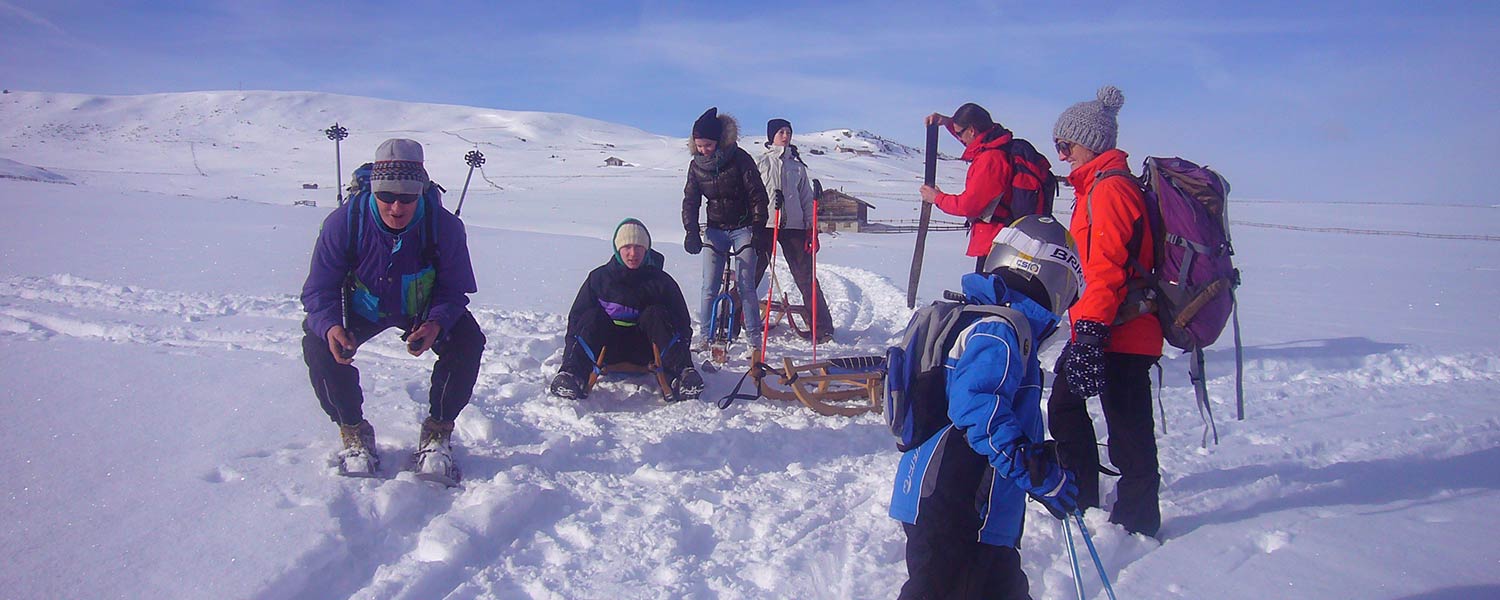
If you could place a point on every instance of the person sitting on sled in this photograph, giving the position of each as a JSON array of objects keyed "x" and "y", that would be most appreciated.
[
  {"x": 629, "y": 305},
  {"x": 961, "y": 494}
]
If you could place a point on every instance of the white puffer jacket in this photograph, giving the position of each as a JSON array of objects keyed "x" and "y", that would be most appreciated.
[{"x": 780, "y": 171}]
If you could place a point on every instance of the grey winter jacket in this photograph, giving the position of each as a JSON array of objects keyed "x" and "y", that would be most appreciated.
[{"x": 780, "y": 170}]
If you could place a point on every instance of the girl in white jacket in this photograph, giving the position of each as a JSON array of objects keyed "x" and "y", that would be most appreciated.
[{"x": 786, "y": 179}]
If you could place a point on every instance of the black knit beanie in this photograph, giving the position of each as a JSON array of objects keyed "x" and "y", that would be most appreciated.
[
  {"x": 708, "y": 127},
  {"x": 773, "y": 126}
]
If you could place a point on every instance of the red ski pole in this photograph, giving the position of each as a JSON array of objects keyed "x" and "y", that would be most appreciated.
[{"x": 771, "y": 264}]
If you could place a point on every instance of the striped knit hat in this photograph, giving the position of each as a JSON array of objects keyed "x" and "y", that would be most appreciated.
[{"x": 398, "y": 168}]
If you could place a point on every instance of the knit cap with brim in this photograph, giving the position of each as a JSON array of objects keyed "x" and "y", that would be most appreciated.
[
  {"x": 398, "y": 168},
  {"x": 1092, "y": 124}
]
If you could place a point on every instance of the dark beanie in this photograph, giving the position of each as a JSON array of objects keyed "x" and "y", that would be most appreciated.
[
  {"x": 708, "y": 127},
  {"x": 773, "y": 126}
]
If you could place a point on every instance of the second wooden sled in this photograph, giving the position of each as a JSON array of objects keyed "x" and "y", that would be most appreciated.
[{"x": 844, "y": 387}]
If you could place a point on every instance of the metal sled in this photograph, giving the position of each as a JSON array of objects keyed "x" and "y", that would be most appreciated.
[{"x": 844, "y": 387}]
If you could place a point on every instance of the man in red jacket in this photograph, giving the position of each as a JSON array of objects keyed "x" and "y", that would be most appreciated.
[
  {"x": 985, "y": 200},
  {"x": 1107, "y": 358}
]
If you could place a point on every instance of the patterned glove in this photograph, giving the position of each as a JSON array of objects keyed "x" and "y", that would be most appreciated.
[
  {"x": 1047, "y": 481},
  {"x": 1083, "y": 358},
  {"x": 693, "y": 243}
]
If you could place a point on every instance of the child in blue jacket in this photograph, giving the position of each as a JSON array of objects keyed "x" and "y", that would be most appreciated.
[{"x": 961, "y": 494}]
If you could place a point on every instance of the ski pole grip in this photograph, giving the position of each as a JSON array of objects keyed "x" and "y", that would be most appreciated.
[{"x": 954, "y": 296}]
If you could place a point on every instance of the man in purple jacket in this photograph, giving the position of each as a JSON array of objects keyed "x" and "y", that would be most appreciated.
[{"x": 392, "y": 256}]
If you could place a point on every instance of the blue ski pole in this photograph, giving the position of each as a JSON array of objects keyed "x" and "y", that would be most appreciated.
[
  {"x": 1073, "y": 557},
  {"x": 1089, "y": 540}
]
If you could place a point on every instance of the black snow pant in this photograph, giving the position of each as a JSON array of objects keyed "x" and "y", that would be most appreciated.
[
  {"x": 453, "y": 377},
  {"x": 800, "y": 262},
  {"x": 944, "y": 557},
  {"x": 1126, "y": 399},
  {"x": 632, "y": 344}
]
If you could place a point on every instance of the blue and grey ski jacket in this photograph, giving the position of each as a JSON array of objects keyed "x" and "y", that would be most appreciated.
[{"x": 994, "y": 402}]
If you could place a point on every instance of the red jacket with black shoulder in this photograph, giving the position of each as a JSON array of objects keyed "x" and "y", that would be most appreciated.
[{"x": 989, "y": 178}]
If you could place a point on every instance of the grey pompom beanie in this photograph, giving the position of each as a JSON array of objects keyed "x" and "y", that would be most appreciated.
[{"x": 1092, "y": 124}]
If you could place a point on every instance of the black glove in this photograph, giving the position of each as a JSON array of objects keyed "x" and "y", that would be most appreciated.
[
  {"x": 693, "y": 243},
  {"x": 1083, "y": 358},
  {"x": 761, "y": 239},
  {"x": 780, "y": 199},
  {"x": 1047, "y": 481}
]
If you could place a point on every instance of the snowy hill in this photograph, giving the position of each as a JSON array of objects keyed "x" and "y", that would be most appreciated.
[{"x": 163, "y": 442}]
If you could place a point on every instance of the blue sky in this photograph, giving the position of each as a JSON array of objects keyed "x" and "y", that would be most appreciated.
[{"x": 1343, "y": 101}]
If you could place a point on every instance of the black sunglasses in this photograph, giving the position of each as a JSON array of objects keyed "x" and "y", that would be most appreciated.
[
  {"x": 1064, "y": 147},
  {"x": 390, "y": 197}
]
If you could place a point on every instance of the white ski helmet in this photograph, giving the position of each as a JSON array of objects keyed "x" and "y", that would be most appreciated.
[{"x": 1041, "y": 251}]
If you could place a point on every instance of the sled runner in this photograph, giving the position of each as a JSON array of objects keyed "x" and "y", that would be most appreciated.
[
  {"x": 844, "y": 387},
  {"x": 783, "y": 309}
]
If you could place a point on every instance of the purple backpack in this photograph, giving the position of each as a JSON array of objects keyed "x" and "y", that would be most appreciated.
[{"x": 1191, "y": 288}]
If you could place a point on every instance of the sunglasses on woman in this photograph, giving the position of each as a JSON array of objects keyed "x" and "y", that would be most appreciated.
[{"x": 1063, "y": 147}]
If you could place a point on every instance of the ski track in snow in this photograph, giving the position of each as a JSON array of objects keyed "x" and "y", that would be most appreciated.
[{"x": 632, "y": 498}]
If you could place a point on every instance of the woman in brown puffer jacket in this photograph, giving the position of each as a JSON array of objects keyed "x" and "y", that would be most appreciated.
[{"x": 726, "y": 175}]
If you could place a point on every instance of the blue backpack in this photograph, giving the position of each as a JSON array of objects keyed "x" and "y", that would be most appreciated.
[{"x": 916, "y": 382}]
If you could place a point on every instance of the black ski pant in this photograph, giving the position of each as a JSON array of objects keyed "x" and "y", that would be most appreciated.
[
  {"x": 944, "y": 557},
  {"x": 800, "y": 262},
  {"x": 1126, "y": 399},
  {"x": 453, "y": 377},
  {"x": 630, "y": 344}
]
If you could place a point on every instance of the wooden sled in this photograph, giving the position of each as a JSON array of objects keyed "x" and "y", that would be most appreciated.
[
  {"x": 602, "y": 368},
  {"x": 783, "y": 309},
  {"x": 844, "y": 387}
]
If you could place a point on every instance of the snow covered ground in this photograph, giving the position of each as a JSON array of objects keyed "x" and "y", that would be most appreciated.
[{"x": 162, "y": 440}]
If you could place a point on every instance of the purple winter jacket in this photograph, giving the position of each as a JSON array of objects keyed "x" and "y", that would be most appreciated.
[{"x": 391, "y": 277}]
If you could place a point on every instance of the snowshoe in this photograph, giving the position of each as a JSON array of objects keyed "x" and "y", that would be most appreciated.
[
  {"x": 358, "y": 458},
  {"x": 567, "y": 385},
  {"x": 433, "y": 460},
  {"x": 687, "y": 386}
]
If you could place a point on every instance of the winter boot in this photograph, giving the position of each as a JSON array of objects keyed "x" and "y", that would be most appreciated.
[
  {"x": 433, "y": 460},
  {"x": 358, "y": 457},
  {"x": 567, "y": 385},
  {"x": 687, "y": 386}
]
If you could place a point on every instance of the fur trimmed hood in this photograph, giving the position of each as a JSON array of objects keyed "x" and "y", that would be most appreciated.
[{"x": 731, "y": 136}]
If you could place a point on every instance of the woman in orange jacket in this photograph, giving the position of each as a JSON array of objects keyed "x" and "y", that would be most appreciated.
[
  {"x": 1107, "y": 358},
  {"x": 986, "y": 187}
]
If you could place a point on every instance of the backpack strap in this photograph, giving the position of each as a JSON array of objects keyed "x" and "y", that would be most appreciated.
[
  {"x": 1140, "y": 294},
  {"x": 971, "y": 313}
]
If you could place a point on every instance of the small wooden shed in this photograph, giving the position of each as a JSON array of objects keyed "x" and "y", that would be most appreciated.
[
  {"x": 838, "y": 211},
  {"x": 613, "y": 162}
]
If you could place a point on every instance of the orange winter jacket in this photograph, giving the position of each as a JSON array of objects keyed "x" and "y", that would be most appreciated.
[
  {"x": 1106, "y": 213},
  {"x": 989, "y": 178}
]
